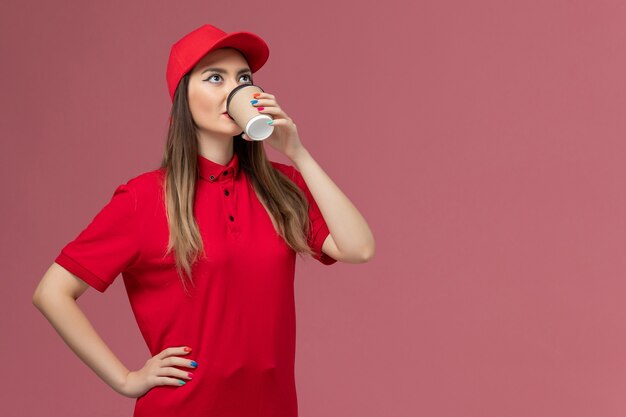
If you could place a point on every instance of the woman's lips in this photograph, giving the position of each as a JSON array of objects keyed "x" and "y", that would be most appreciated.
[{"x": 226, "y": 114}]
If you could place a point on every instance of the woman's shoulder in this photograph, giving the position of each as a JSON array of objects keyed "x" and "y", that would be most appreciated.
[
  {"x": 147, "y": 182},
  {"x": 288, "y": 170}
]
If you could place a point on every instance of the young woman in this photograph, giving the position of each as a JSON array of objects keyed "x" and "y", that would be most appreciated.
[{"x": 206, "y": 246}]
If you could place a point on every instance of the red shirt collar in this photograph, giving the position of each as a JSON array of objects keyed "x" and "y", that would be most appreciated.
[{"x": 212, "y": 171}]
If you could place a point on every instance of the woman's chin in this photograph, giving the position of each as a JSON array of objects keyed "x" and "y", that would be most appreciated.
[
  {"x": 233, "y": 126},
  {"x": 235, "y": 130}
]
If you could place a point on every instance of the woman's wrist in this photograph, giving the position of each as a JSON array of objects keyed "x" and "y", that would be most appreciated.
[{"x": 298, "y": 156}]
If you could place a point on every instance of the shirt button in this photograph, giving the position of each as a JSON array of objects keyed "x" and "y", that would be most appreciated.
[
  {"x": 212, "y": 177},
  {"x": 232, "y": 219},
  {"x": 226, "y": 192}
]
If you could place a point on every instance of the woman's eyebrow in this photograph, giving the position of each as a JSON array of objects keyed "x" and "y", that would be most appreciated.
[{"x": 223, "y": 71}]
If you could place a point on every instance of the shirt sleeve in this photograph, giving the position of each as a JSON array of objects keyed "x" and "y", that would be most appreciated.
[
  {"x": 318, "y": 230},
  {"x": 108, "y": 245}
]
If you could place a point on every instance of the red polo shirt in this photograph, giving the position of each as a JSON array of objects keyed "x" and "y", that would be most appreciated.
[{"x": 240, "y": 316}]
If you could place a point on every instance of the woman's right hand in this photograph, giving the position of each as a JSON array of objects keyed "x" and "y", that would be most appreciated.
[{"x": 158, "y": 370}]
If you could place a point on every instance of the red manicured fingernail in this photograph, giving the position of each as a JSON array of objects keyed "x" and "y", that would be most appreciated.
[
  {"x": 255, "y": 95},
  {"x": 190, "y": 374},
  {"x": 187, "y": 349},
  {"x": 260, "y": 108}
]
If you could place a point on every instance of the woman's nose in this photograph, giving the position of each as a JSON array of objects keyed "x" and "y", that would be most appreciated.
[{"x": 231, "y": 86}]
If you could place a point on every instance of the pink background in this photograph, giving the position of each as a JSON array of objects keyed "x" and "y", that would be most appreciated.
[{"x": 483, "y": 141}]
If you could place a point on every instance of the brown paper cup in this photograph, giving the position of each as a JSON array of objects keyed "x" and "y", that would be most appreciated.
[{"x": 247, "y": 116}]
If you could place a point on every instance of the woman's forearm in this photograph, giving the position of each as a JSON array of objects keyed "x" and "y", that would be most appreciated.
[
  {"x": 347, "y": 226},
  {"x": 63, "y": 312}
]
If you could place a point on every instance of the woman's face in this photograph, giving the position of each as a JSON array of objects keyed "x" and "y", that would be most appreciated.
[{"x": 209, "y": 88}]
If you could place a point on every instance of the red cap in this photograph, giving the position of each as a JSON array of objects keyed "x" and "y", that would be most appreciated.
[{"x": 187, "y": 51}]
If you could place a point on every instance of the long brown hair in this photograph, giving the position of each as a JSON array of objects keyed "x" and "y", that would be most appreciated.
[{"x": 284, "y": 200}]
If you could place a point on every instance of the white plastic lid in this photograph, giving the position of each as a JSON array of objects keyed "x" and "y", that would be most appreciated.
[{"x": 257, "y": 127}]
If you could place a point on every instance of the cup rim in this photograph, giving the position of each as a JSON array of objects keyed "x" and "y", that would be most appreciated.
[{"x": 234, "y": 90}]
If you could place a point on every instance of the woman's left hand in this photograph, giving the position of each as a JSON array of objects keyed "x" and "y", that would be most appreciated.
[{"x": 285, "y": 137}]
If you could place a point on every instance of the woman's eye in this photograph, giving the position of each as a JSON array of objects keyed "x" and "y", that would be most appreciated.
[{"x": 217, "y": 75}]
